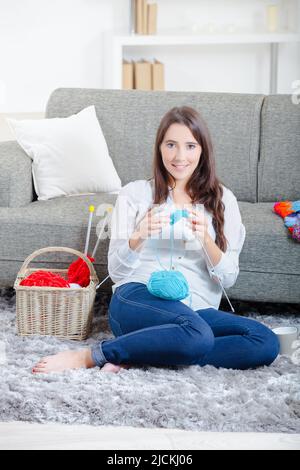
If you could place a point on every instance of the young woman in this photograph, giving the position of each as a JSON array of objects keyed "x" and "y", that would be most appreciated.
[{"x": 152, "y": 330}]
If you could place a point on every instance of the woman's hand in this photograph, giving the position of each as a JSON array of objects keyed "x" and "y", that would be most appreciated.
[
  {"x": 198, "y": 223},
  {"x": 151, "y": 224}
]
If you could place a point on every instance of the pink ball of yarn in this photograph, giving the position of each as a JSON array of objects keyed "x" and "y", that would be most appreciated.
[{"x": 296, "y": 232}]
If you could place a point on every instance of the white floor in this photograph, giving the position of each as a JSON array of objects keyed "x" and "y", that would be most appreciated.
[{"x": 19, "y": 435}]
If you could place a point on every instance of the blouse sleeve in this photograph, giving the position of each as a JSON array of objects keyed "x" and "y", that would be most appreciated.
[
  {"x": 122, "y": 260},
  {"x": 227, "y": 269}
]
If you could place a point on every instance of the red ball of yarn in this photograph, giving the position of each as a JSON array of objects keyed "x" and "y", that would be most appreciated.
[
  {"x": 79, "y": 272},
  {"x": 44, "y": 279},
  {"x": 283, "y": 208}
]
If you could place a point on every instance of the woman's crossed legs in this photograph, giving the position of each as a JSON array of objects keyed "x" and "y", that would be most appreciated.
[{"x": 150, "y": 330}]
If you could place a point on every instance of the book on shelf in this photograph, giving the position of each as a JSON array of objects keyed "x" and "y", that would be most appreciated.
[
  {"x": 152, "y": 18},
  {"x": 127, "y": 76},
  {"x": 158, "y": 75},
  {"x": 145, "y": 17},
  {"x": 142, "y": 75},
  {"x": 144, "y": 9},
  {"x": 138, "y": 14}
]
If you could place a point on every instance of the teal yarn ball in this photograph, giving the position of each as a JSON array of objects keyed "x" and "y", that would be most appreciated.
[
  {"x": 296, "y": 206},
  {"x": 170, "y": 285}
]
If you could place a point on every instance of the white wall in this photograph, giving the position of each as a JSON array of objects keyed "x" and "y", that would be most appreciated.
[{"x": 45, "y": 44}]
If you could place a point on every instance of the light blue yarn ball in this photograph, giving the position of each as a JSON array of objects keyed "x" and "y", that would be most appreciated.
[
  {"x": 170, "y": 285},
  {"x": 296, "y": 206}
]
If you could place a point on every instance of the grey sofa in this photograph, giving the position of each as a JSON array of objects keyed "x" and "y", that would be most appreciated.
[{"x": 257, "y": 148}]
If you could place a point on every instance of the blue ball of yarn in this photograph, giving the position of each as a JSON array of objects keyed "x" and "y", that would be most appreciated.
[
  {"x": 296, "y": 206},
  {"x": 170, "y": 285},
  {"x": 292, "y": 219}
]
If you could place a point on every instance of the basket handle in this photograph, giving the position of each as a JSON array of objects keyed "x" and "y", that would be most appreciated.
[{"x": 52, "y": 249}]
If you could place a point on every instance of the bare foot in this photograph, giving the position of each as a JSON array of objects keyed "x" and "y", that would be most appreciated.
[
  {"x": 64, "y": 360},
  {"x": 115, "y": 368}
]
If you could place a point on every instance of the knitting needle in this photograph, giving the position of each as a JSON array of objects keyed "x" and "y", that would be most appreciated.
[
  {"x": 91, "y": 209},
  {"x": 102, "y": 229}
]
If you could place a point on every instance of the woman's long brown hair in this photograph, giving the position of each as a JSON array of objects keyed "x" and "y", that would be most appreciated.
[{"x": 204, "y": 186}]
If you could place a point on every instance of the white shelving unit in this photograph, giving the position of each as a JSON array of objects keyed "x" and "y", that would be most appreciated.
[{"x": 114, "y": 48}]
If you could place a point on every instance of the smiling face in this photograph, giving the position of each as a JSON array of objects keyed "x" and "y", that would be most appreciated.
[{"x": 180, "y": 153}]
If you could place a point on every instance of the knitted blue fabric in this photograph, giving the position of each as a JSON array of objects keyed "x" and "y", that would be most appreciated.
[
  {"x": 177, "y": 215},
  {"x": 170, "y": 284}
]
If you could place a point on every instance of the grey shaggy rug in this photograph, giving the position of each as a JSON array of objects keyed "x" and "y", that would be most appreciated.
[{"x": 192, "y": 398}]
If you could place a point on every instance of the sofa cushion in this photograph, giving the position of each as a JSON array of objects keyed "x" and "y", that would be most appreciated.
[
  {"x": 56, "y": 222},
  {"x": 63, "y": 222},
  {"x": 129, "y": 120},
  {"x": 268, "y": 246},
  {"x": 279, "y": 164}
]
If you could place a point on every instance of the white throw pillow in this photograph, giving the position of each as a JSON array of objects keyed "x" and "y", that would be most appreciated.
[{"x": 70, "y": 155}]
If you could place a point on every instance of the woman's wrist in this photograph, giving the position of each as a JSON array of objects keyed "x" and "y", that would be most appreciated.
[
  {"x": 206, "y": 238},
  {"x": 135, "y": 240},
  {"x": 212, "y": 249}
]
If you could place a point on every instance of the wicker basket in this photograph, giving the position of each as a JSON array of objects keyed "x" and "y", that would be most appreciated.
[{"x": 66, "y": 313}]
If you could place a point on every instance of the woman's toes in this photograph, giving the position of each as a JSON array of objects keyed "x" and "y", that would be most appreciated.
[
  {"x": 108, "y": 367},
  {"x": 40, "y": 366},
  {"x": 38, "y": 370},
  {"x": 44, "y": 360}
]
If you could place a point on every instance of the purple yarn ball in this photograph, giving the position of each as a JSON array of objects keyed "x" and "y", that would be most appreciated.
[{"x": 296, "y": 232}]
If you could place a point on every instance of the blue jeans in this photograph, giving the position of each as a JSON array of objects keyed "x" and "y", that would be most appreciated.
[{"x": 158, "y": 332}]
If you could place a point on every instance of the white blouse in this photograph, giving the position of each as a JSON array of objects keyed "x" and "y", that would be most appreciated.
[{"x": 127, "y": 265}]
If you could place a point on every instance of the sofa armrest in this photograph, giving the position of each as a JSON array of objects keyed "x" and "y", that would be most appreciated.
[{"x": 16, "y": 188}]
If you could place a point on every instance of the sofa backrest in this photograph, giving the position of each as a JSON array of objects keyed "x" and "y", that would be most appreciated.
[
  {"x": 130, "y": 118},
  {"x": 279, "y": 160},
  {"x": 16, "y": 186}
]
